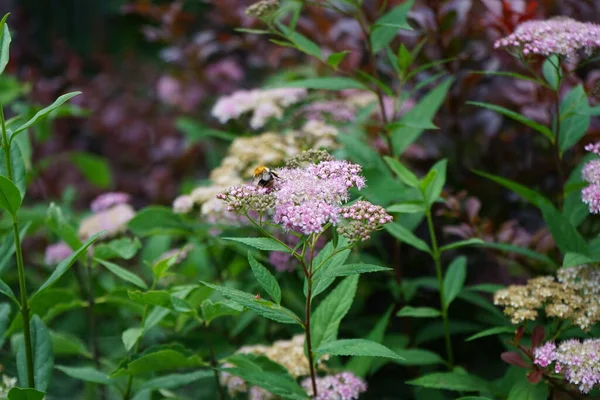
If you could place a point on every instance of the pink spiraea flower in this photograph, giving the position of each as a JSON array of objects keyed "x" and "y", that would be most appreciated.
[
  {"x": 107, "y": 200},
  {"x": 590, "y": 195},
  {"x": 56, "y": 252},
  {"x": 363, "y": 218},
  {"x": 306, "y": 196},
  {"x": 579, "y": 362},
  {"x": 560, "y": 35},
  {"x": 342, "y": 386}
]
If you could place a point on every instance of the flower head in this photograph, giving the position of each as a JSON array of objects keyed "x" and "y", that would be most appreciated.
[
  {"x": 57, "y": 252},
  {"x": 363, "y": 218},
  {"x": 262, "y": 9},
  {"x": 113, "y": 221},
  {"x": 560, "y": 35},
  {"x": 579, "y": 362},
  {"x": 107, "y": 200},
  {"x": 342, "y": 386}
]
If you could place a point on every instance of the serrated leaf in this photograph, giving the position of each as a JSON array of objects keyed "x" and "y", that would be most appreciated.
[
  {"x": 262, "y": 307},
  {"x": 433, "y": 189},
  {"x": 356, "y": 347},
  {"x": 573, "y": 125},
  {"x": 125, "y": 248},
  {"x": 123, "y": 273},
  {"x": 212, "y": 310},
  {"x": 509, "y": 248},
  {"x": 267, "y": 244},
  {"x": 462, "y": 243},
  {"x": 352, "y": 269},
  {"x": 406, "y": 208},
  {"x": 361, "y": 366},
  {"x": 335, "y": 59},
  {"x": 454, "y": 280},
  {"x": 265, "y": 279},
  {"x": 418, "y": 357},
  {"x": 418, "y": 312},
  {"x": 326, "y": 319},
  {"x": 386, "y": 27},
  {"x": 159, "y": 358},
  {"x": 551, "y": 69}
]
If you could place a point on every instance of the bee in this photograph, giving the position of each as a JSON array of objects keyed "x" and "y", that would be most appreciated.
[{"x": 266, "y": 177}]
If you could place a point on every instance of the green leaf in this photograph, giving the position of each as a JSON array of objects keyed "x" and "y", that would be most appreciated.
[
  {"x": 173, "y": 381},
  {"x": 491, "y": 331},
  {"x": 10, "y": 196},
  {"x": 462, "y": 243},
  {"x": 324, "y": 262},
  {"x": 18, "y": 167},
  {"x": 406, "y": 208},
  {"x": 156, "y": 221},
  {"x": 565, "y": 235},
  {"x": 8, "y": 247},
  {"x": 335, "y": 59},
  {"x": 64, "y": 266},
  {"x": 65, "y": 344},
  {"x": 159, "y": 358},
  {"x": 531, "y": 196},
  {"x": 406, "y": 236},
  {"x": 43, "y": 359},
  {"x": 325, "y": 83},
  {"x": 7, "y": 291},
  {"x": 550, "y": 71},
  {"x": 573, "y": 126},
  {"x": 94, "y": 168},
  {"x": 544, "y": 130},
  {"x": 455, "y": 381},
  {"x": 265, "y": 279},
  {"x": 262, "y": 307},
  {"x": 326, "y": 319},
  {"x": 267, "y": 244},
  {"x": 123, "y": 273},
  {"x": 509, "y": 248},
  {"x": 386, "y": 28},
  {"x": 44, "y": 112},
  {"x": 125, "y": 248},
  {"x": 418, "y": 312},
  {"x": 302, "y": 43},
  {"x": 5, "y": 44},
  {"x": 196, "y": 131},
  {"x": 17, "y": 393},
  {"x": 56, "y": 221},
  {"x": 405, "y": 58},
  {"x": 525, "y": 390},
  {"x": 424, "y": 110},
  {"x": 357, "y": 347},
  {"x": 212, "y": 310},
  {"x": 403, "y": 173},
  {"x": 418, "y": 357},
  {"x": 352, "y": 269},
  {"x": 266, "y": 374},
  {"x": 87, "y": 374},
  {"x": 131, "y": 336},
  {"x": 454, "y": 280},
  {"x": 361, "y": 366},
  {"x": 432, "y": 191}
]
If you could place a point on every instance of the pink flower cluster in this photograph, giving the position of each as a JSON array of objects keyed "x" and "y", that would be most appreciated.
[
  {"x": 342, "y": 386},
  {"x": 263, "y": 104},
  {"x": 590, "y": 195},
  {"x": 560, "y": 35},
  {"x": 107, "y": 200},
  {"x": 57, "y": 252},
  {"x": 307, "y": 197},
  {"x": 364, "y": 218},
  {"x": 579, "y": 362}
]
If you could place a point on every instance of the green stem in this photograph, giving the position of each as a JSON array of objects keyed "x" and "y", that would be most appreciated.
[
  {"x": 213, "y": 360},
  {"x": 557, "y": 156},
  {"x": 440, "y": 278},
  {"x": 20, "y": 264},
  {"x": 307, "y": 316},
  {"x": 136, "y": 349}
]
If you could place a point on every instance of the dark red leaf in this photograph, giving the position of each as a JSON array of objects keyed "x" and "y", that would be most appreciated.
[
  {"x": 535, "y": 376},
  {"x": 537, "y": 336},
  {"x": 519, "y": 335},
  {"x": 514, "y": 358}
]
